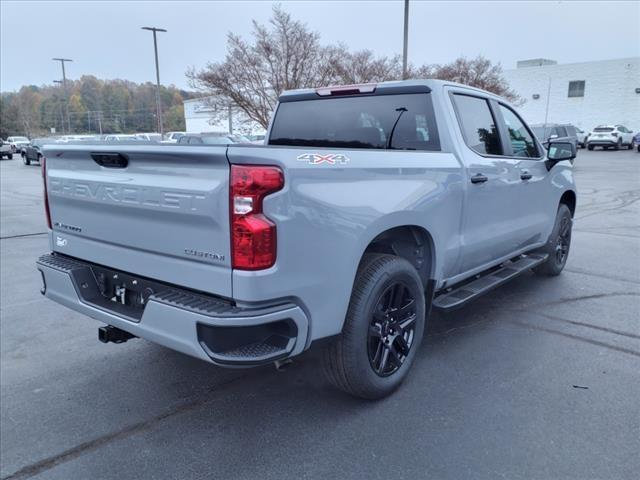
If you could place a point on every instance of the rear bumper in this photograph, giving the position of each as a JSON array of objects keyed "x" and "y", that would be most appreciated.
[
  {"x": 602, "y": 142},
  {"x": 202, "y": 326}
]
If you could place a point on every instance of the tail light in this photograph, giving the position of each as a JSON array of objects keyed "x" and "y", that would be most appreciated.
[
  {"x": 253, "y": 235},
  {"x": 46, "y": 195}
]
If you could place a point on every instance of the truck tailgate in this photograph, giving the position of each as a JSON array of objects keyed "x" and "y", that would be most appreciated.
[{"x": 158, "y": 211}]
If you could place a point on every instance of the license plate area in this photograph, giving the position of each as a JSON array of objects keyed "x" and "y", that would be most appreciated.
[{"x": 117, "y": 292}]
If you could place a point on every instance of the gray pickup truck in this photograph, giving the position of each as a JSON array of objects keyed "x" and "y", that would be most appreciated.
[{"x": 368, "y": 206}]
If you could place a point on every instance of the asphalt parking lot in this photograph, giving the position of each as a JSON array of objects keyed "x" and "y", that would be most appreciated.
[{"x": 539, "y": 379}]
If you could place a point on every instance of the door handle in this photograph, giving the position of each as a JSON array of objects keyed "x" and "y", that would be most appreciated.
[
  {"x": 525, "y": 176},
  {"x": 479, "y": 178}
]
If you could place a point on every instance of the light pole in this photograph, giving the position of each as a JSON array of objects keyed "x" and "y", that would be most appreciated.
[
  {"x": 406, "y": 39},
  {"x": 59, "y": 82},
  {"x": 64, "y": 84},
  {"x": 158, "y": 104}
]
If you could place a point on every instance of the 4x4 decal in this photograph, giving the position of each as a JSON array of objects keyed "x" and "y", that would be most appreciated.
[{"x": 317, "y": 158}]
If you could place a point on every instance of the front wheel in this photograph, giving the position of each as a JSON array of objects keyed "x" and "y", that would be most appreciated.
[
  {"x": 557, "y": 248},
  {"x": 25, "y": 160},
  {"x": 383, "y": 329},
  {"x": 590, "y": 147}
]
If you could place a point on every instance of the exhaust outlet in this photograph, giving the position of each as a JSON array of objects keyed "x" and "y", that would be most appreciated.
[
  {"x": 113, "y": 334},
  {"x": 282, "y": 365}
]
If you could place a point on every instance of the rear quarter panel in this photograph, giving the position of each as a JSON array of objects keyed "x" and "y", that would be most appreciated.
[{"x": 328, "y": 214}]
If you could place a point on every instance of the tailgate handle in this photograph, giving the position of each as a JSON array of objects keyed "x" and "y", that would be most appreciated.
[{"x": 110, "y": 160}]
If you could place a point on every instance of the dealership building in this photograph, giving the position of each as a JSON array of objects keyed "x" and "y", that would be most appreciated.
[{"x": 584, "y": 94}]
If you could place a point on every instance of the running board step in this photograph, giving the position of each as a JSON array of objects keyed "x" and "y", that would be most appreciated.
[{"x": 458, "y": 296}]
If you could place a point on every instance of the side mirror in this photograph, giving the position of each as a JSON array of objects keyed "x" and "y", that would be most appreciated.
[{"x": 559, "y": 151}]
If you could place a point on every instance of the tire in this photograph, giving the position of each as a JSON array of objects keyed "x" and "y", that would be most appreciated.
[
  {"x": 590, "y": 147},
  {"x": 558, "y": 245},
  {"x": 39, "y": 159},
  {"x": 618, "y": 145},
  {"x": 25, "y": 160},
  {"x": 375, "y": 351},
  {"x": 10, "y": 156}
]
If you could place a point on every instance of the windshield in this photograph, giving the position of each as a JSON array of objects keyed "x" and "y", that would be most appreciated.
[
  {"x": 20, "y": 139},
  {"x": 404, "y": 121}
]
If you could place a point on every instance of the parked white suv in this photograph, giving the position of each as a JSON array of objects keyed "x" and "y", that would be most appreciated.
[
  {"x": 615, "y": 136},
  {"x": 17, "y": 143}
]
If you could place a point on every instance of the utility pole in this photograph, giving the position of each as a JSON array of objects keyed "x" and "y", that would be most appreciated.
[
  {"x": 406, "y": 40},
  {"x": 158, "y": 104},
  {"x": 546, "y": 110},
  {"x": 59, "y": 82},
  {"x": 64, "y": 84}
]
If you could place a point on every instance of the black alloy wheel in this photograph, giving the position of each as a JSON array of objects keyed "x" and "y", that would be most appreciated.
[
  {"x": 392, "y": 329},
  {"x": 564, "y": 241}
]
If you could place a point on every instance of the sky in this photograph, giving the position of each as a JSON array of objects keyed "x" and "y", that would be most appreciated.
[{"x": 104, "y": 38}]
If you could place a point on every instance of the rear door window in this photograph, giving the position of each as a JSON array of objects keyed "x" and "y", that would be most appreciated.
[
  {"x": 477, "y": 124},
  {"x": 396, "y": 122}
]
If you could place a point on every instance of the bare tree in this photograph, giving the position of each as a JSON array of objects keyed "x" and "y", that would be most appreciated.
[
  {"x": 363, "y": 67},
  {"x": 283, "y": 56},
  {"x": 478, "y": 72},
  {"x": 286, "y": 55}
]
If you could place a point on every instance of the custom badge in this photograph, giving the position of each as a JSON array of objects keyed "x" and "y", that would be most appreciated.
[{"x": 317, "y": 158}]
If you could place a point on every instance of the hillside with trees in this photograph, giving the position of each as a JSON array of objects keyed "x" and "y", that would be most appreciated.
[{"x": 95, "y": 106}]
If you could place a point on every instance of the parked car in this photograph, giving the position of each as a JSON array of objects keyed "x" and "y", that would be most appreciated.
[
  {"x": 396, "y": 198},
  {"x": 172, "y": 137},
  {"x": 582, "y": 137},
  {"x": 121, "y": 138},
  {"x": 547, "y": 132},
  {"x": 76, "y": 138},
  {"x": 32, "y": 152},
  {"x": 149, "y": 137},
  {"x": 17, "y": 143},
  {"x": 614, "y": 136},
  {"x": 636, "y": 141},
  {"x": 5, "y": 150},
  {"x": 211, "y": 139}
]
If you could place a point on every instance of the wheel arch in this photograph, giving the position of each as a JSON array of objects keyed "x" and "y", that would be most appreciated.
[
  {"x": 411, "y": 242},
  {"x": 568, "y": 198}
]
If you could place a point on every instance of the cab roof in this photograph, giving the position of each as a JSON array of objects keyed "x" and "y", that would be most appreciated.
[{"x": 380, "y": 88}]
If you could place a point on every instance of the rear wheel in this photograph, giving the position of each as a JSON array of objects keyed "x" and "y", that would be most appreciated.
[
  {"x": 10, "y": 156},
  {"x": 558, "y": 245},
  {"x": 590, "y": 147},
  {"x": 40, "y": 159},
  {"x": 383, "y": 329},
  {"x": 618, "y": 145}
]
